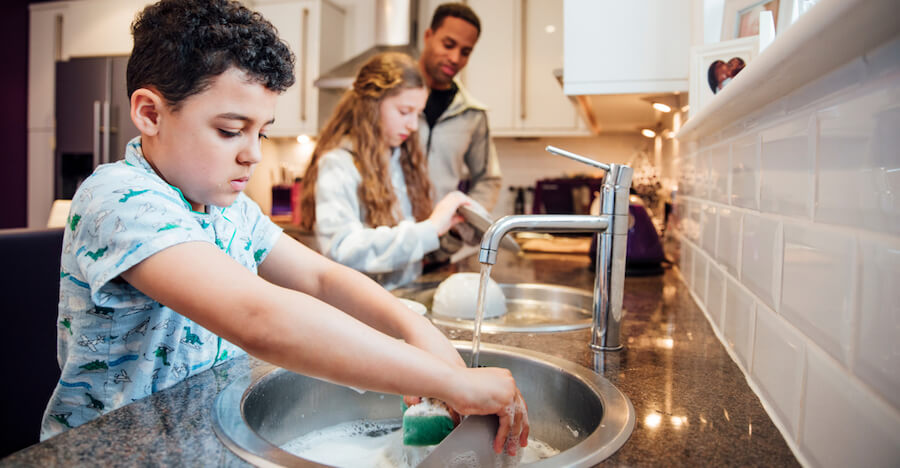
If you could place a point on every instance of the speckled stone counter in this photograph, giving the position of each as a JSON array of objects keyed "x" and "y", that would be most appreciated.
[{"x": 693, "y": 405}]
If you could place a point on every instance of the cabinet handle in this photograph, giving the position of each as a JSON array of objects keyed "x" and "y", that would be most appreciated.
[
  {"x": 303, "y": 65},
  {"x": 524, "y": 73},
  {"x": 105, "y": 129},
  {"x": 96, "y": 134},
  {"x": 57, "y": 38}
]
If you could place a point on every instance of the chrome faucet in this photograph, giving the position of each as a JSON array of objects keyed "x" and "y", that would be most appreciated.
[{"x": 611, "y": 227}]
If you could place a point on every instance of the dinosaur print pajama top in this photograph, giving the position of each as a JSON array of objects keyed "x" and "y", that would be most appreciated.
[{"x": 115, "y": 344}]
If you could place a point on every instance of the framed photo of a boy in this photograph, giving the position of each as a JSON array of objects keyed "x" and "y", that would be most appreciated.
[{"x": 713, "y": 66}]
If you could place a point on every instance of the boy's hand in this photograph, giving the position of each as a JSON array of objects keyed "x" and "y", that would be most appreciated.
[
  {"x": 492, "y": 390},
  {"x": 414, "y": 400}
]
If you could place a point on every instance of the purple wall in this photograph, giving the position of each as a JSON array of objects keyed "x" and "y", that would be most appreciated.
[{"x": 13, "y": 112}]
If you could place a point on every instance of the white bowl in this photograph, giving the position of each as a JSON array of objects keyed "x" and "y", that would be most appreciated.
[{"x": 457, "y": 296}]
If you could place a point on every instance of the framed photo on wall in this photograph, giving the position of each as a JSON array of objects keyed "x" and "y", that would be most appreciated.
[
  {"x": 741, "y": 17},
  {"x": 713, "y": 66}
]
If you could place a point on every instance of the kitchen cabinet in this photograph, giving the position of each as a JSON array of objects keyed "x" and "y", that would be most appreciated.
[
  {"x": 511, "y": 68},
  {"x": 45, "y": 24},
  {"x": 314, "y": 30},
  {"x": 616, "y": 47},
  {"x": 98, "y": 27}
]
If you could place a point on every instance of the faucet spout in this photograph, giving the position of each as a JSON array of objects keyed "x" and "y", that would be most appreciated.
[
  {"x": 611, "y": 228},
  {"x": 490, "y": 242}
]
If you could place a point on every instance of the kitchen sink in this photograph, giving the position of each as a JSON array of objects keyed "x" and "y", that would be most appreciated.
[
  {"x": 530, "y": 308},
  {"x": 571, "y": 408}
]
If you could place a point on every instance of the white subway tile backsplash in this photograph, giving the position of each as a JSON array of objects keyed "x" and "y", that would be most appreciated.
[
  {"x": 686, "y": 262},
  {"x": 878, "y": 356},
  {"x": 698, "y": 283},
  {"x": 691, "y": 221},
  {"x": 729, "y": 240},
  {"x": 859, "y": 161},
  {"x": 761, "y": 257},
  {"x": 745, "y": 172},
  {"x": 778, "y": 360},
  {"x": 818, "y": 284},
  {"x": 687, "y": 179},
  {"x": 810, "y": 309},
  {"x": 701, "y": 175},
  {"x": 786, "y": 168},
  {"x": 708, "y": 229},
  {"x": 719, "y": 174},
  {"x": 843, "y": 423},
  {"x": 715, "y": 295},
  {"x": 740, "y": 308}
]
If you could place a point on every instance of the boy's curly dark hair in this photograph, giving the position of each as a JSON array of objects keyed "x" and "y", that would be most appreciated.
[{"x": 180, "y": 46}]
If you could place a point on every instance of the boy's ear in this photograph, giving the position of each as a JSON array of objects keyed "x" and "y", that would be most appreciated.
[{"x": 146, "y": 105}]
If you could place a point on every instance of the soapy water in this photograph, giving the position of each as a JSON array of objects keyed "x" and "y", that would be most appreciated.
[{"x": 379, "y": 444}]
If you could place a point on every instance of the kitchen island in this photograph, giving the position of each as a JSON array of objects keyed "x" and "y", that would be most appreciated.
[{"x": 692, "y": 403}]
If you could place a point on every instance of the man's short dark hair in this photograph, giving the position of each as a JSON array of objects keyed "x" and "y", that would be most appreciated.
[
  {"x": 180, "y": 46},
  {"x": 456, "y": 10}
]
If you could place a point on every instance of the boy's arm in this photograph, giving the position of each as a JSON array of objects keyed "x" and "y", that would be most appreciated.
[
  {"x": 301, "y": 333},
  {"x": 294, "y": 266},
  {"x": 280, "y": 325}
]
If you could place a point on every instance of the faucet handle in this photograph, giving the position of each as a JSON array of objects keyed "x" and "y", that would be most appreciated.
[{"x": 577, "y": 157}]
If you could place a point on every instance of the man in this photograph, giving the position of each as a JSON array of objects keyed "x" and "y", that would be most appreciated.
[{"x": 453, "y": 129}]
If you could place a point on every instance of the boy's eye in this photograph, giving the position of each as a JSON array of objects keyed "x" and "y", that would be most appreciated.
[
  {"x": 228, "y": 134},
  {"x": 263, "y": 136}
]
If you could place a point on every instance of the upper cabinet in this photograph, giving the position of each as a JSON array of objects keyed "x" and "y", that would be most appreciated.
[
  {"x": 511, "y": 68},
  {"x": 314, "y": 30},
  {"x": 98, "y": 27},
  {"x": 622, "y": 47}
]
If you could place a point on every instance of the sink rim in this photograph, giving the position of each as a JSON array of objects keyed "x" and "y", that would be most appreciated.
[
  {"x": 490, "y": 326},
  {"x": 617, "y": 422}
]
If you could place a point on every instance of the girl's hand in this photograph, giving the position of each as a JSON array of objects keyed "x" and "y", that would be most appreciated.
[{"x": 444, "y": 215}]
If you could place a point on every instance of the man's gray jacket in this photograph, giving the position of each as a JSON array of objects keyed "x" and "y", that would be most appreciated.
[{"x": 460, "y": 147}]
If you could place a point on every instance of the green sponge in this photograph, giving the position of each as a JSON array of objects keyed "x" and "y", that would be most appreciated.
[{"x": 426, "y": 423}]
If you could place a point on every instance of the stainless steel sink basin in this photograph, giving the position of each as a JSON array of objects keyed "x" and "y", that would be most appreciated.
[
  {"x": 530, "y": 308},
  {"x": 570, "y": 407}
]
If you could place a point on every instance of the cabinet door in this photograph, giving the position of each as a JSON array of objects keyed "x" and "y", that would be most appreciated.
[
  {"x": 635, "y": 46},
  {"x": 99, "y": 27},
  {"x": 491, "y": 75},
  {"x": 43, "y": 39},
  {"x": 543, "y": 105},
  {"x": 292, "y": 19}
]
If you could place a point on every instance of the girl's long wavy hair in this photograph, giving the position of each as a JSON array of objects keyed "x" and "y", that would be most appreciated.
[{"x": 357, "y": 120}]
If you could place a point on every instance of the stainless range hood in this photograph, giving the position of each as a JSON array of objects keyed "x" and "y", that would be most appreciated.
[{"x": 395, "y": 31}]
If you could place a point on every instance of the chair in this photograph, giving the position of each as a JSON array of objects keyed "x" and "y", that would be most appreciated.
[{"x": 29, "y": 293}]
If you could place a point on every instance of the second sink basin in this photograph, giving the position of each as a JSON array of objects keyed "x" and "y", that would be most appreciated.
[{"x": 530, "y": 308}]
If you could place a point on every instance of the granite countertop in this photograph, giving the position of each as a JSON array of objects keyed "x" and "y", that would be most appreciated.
[{"x": 692, "y": 403}]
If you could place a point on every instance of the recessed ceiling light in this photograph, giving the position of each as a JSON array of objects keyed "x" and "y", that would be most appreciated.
[
  {"x": 303, "y": 139},
  {"x": 648, "y": 133},
  {"x": 661, "y": 107}
]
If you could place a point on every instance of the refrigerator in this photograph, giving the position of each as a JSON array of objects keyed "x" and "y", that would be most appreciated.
[{"x": 93, "y": 121}]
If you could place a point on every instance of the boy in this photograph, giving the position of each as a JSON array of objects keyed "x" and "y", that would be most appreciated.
[{"x": 162, "y": 250}]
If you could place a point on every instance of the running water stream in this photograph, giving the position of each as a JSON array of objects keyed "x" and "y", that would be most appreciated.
[{"x": 479, "y": 313}]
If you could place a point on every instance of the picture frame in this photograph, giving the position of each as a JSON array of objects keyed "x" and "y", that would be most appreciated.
[
  {"x": 741, "y": 17},
  {"x": 707, "y": 76}
]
